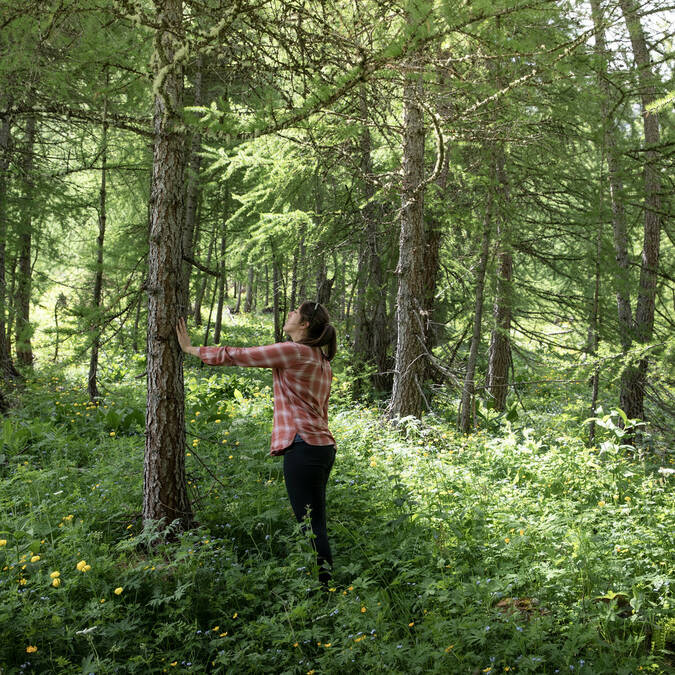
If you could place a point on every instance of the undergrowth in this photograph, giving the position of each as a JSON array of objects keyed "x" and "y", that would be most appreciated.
[{"x": 515, "y": 549}]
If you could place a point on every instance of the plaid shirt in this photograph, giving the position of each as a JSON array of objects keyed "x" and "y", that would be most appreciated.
[{"x": 302, "y": 377}]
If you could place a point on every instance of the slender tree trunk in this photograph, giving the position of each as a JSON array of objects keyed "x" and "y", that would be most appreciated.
[
  {"x": 294, "y": 278},
  {"x": 500, "y": 341},
  {"x": 302, "y": 264},
  {"x": 221, "y": 289},
  {"x": 466, "y": 405},
  {"x": 165, "y": 490},
  {"x": 407, "y": 396},
  {"x": 634, "y": 380},
  {"x": 24, "y": 351},
  {"x": 92, "y": 387},
  {"x": 191, "y": 195},
  {"x": 6, "y": 366},
  {"x": 248, "y": 303},
  {"x": 201, "y": 289},
  {"x": 239, "y": 291},
  {"x": 267, "y": 286},
  {"x": 593, "y": 336},
  {"x": 620, "y": 236},
  {"x": 276, "y": 291}
]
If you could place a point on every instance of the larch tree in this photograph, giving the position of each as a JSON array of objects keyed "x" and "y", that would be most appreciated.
[{"x": 165, "y": 491}]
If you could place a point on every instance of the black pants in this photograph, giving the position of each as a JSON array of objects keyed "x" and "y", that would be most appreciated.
[{"x": 306, "y": 471}]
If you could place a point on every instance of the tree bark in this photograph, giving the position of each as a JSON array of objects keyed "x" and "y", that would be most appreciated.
[
  {"x": 248, "y": 303},
  {"x": 500, "y": 340},
  {"x": 165, "y": 490},
  {"x": 466, "y": 405},
  {"x": 221, "y": 288},
  {"x": 6, "y": 366},
  {"x": 620, "y": 236},
  {"x": 199, "y": 299},
  {"x": 407, "y": 396},
  {"x": 192, "y": 194},
  {"x": 92, "y": 387},
  {"x": 631, "y": 399},
  {"x": 24, "y": 351},
  {"x": 276, "y": 297}
]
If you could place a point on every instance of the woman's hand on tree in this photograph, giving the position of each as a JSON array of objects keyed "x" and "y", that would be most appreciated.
[{"x": 184, "y": 338}]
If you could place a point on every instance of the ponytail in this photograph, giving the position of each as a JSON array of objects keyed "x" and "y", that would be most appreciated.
[{"x": 320, "y": 331}]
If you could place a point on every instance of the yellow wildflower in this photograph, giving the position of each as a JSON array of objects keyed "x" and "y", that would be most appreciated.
[
  {"x": 235, "y": 615},
  {"x": 56, "y": 582},
  {"x": 112, "y": 433},
  {"x": 55, "y": 574},
  {"x": 35, "y": 558},
  {"x": 31, "y": 649},
  {"x": 411, "y": 624},
  {"x": 3, "y": 542},
  {"x": 118, "y": 590},
  {"x": 601, "y": 503},
  {"x": 363, "y": 609},
  {"x": 507, "y": 540}
]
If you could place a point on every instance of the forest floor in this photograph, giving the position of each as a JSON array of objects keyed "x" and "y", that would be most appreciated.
[{"x": 515, "y": 549}]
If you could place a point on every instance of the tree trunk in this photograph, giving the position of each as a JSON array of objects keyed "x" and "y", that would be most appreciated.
[
  {"x": 633, "y": 382},
  {"x": 267, "y": 286},
  {"x": 302, "y": 264},
  {"x": 593, "y": 336},
  {"x": 6, "y": 366},
  {"x": 165, "y": 491},
  {"x": 407, "y": 396},
  {"x": 276, "y": 291},
  {"x": 248, "y": 303},
  {"x": 202, "y": 286},
  {"x": 24, "y": 351},
  {"x": 500, "y": 340},
  {"x": 466, "y": 405},
  {"x": 239, "y": 291},
  {"x": 221, "y": 289},
  {"x": 191, "y": 195},
  {"x": 92, "y": 387}
]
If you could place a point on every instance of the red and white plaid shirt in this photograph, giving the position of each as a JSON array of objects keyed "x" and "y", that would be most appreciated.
[{"x": 302, "y": 377}]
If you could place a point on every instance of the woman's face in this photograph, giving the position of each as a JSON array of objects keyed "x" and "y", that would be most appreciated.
[{"x": 295, "y": 326}]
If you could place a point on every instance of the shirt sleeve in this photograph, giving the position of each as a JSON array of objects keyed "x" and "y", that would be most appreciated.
[{"x": 279, "y": 355}]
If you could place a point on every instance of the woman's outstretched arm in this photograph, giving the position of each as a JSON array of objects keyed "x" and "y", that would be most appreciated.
[{"x": 278, "y": 355}]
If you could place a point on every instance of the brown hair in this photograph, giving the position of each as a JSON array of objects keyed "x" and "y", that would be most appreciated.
[{"x": 320, "y": 332}]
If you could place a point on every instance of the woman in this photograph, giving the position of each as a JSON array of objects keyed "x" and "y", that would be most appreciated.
[{"x": 302, "y": 377}]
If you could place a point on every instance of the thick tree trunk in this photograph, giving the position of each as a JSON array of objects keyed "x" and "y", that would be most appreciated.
[
  {"x": 92, "y": 387},
  {"x": 24, "y": 351},
  {"x": 466, "y": 405},
  {"x": 634, "y": 379},
  {"x": 6, "y": 366},
  {"x": 407, "y": 396},
  {"x": 165, "y": 491}
]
